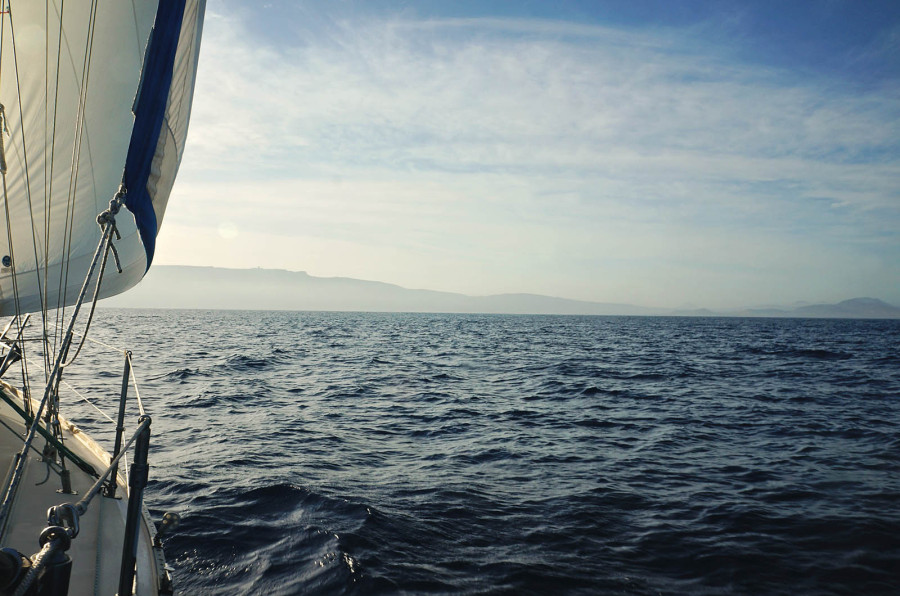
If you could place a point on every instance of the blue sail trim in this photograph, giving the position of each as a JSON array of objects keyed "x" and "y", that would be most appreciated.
[{"x": 149, "y": 113}]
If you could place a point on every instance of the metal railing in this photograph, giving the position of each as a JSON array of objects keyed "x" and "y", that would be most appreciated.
[{"x": 63, "y": 519}]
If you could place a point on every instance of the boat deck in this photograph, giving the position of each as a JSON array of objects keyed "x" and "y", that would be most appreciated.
[{"x": 96, "y": 551}]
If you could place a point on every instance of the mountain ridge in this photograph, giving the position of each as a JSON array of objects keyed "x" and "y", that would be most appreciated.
[{"x": 191, "y": 287}]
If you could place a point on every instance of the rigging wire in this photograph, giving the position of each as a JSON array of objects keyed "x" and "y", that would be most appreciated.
[
  {"x": 98, "y": 342},
  {"x": 84, "y": 398},
  {"x": 27, "y": 170},
  {"x": 109, "y": 247},
  {"x": 4, "y": 129},
  {"x": 76, "y": 157},
  {"x": 52, "y": 386},
  {"x": 27, "y": 180},
  {"x": 134, "y": 382},
  {"x": 13, "y": 276},
  {"x": 48, "y": 187}
]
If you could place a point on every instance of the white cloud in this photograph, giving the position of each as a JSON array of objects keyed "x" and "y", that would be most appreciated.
[{"x": 442, "y": 152}]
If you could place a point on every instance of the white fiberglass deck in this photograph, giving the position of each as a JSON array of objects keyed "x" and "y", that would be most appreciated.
[{"x": 97, "y": 550}]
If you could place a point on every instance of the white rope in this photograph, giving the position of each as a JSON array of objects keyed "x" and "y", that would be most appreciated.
[
  {"x": 134, "y": 379},
  {"x": 105, "y": 345},
  {"x": 92, "y": 340},
  {"x": 83, "y": 398},
  {"x": 134, "y": 383}
]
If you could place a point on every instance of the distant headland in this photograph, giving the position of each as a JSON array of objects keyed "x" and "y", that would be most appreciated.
[{"x": 275, "y": 289}]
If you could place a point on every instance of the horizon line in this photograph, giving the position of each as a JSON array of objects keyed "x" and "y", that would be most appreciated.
[{"x": 715, "y": 311}]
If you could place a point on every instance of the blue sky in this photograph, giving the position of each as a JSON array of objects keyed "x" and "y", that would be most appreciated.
[{"x": 659, "y": 153}]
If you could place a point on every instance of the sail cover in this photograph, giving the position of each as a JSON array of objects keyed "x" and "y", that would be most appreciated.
[{"x": 93, "y": 94}]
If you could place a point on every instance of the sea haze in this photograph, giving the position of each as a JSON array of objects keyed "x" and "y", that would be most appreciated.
[
  {"x": 277, "y": 289},
  {"x": 361, "y": 453}
]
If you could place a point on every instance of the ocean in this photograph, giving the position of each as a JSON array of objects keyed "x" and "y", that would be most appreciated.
[{"x": 366, "y": 453}]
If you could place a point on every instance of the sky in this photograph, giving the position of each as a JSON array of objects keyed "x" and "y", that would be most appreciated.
[{"x": 660, "y": 153}]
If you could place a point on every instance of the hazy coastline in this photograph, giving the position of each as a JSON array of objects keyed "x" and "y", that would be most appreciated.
[{"x": 275, "y": 289}]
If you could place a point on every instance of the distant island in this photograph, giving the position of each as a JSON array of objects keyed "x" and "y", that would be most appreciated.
[{"x": 275, "y": 289}]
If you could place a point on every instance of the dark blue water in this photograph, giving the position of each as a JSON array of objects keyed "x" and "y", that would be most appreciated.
[{"x": 348, "y": 453}]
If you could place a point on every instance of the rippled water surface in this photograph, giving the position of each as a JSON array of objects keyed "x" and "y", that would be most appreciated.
[{"x": 352, "y": 453}]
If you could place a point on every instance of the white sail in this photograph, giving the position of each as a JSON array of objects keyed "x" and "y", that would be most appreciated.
[{"x": 71, "y": 74}]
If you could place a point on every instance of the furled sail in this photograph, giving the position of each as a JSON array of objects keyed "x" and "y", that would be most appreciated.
[{"x": 94, "y": 94}]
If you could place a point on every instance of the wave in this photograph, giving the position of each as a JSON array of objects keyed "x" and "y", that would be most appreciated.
[
  {"x": 367, "y": 453},
  {"x": 801, "y": 353}
]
